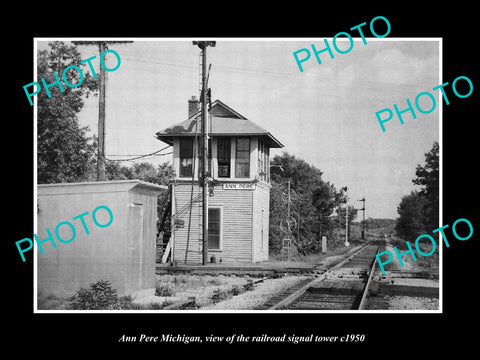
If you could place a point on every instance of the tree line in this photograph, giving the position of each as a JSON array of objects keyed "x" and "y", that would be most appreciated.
[
  {"x": 419, "y": 211},
  {"x": 317, "y": 206}
]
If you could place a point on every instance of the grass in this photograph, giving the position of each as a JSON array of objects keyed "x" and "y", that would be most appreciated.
[
  {"x": 430, "y": 262},
  {"x": 52, "y": 302},
  {"x": 203, "y": 288},
  {"x": 315, "y": 257}
]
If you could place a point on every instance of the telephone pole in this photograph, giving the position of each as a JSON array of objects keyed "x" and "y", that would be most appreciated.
[
  {"x": 204, "y": 158},
  {"x": 346, "y": 224},
  {"x": 102, "y": 46},
  {"x": 101, "y": 120},
  {"x": 347, "y": 244}
]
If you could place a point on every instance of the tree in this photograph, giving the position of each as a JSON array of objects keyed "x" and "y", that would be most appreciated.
[
  {"x": 64, "y": 151},
  {"x": 313, "y": 201},
  {"x": 352, "y": 214},
  {"x": 143, "y": 171},
  {"x": 411, "y": 220},
  {"x": 418, "y": 211},
  {"x": 428, "y": 177},
  {"x": 326, "y": 199},
  {"x": 323, "y": 198}
]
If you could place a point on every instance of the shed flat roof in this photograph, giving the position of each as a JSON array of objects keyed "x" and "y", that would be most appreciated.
[{"x": 97, "y": 186}]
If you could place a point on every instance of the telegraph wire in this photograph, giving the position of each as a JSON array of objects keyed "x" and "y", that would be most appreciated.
[{"x": 136, "y": 157}]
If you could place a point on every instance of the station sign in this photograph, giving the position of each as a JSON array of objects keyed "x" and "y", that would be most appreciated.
[{"x": 239, "y": 186}]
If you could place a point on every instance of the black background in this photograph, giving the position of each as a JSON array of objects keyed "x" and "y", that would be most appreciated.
[{"x": 386, "y": 334}]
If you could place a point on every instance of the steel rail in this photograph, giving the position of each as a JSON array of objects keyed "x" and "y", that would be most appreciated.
[
  {"x": 298, "y": 293},
  {"x": 363, "y": 301}
]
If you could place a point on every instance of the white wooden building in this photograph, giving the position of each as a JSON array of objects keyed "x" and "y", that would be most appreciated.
[{"x": 239, "y": 189}]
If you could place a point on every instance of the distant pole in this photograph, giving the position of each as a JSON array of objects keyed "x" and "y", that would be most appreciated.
[
  {"x": 363, "y": 224},
  {"x": 346, "y": 217},
  {"x": 298, "y": 227},
  {"x": 346, "y": 223},
  {"x": 363, "y": 227},
  {"x": 288, "y": 202},
  {"x": 204, "y": 158},
  {"x": 101, "y": 121}
]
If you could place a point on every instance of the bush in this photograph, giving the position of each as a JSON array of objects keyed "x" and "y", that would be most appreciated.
[
  {"x": 99, "y": 296},
  {"x": 164, "y": 289}
]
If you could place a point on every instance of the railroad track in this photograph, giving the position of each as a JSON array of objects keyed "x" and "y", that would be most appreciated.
[{"x": 342, "y": 287}]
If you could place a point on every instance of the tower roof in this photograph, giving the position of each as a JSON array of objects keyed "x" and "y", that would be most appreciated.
[{"x": 224, "y": 122}]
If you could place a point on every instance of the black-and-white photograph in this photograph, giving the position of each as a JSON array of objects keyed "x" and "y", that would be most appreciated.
[{"x": 231, "y": 175}]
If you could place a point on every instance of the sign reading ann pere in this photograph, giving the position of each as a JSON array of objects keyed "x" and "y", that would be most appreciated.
[{"x": 238, "y": 186}]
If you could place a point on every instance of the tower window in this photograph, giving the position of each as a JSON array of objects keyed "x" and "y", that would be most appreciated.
[{"x": 242, "y": 158}]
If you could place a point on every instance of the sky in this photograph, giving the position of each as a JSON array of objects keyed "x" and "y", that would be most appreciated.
[{"x": 324, "y": 115}]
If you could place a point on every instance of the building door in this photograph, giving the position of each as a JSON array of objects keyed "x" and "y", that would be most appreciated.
[{"x": 135, "y": 246}]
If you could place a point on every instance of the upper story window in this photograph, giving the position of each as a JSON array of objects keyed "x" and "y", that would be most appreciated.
[
  {"x": 242, "y": 158},
  {"x": 223, "y": 157},
  {"x": 186, "y": 157}
]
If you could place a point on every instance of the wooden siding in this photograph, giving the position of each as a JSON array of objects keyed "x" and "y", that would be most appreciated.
[
  {"x": 237, "y": 224},
  {"x": 220, "y": 112},
  {"x": 260, "y": 221},
  {"x": 181, "y": 213}
]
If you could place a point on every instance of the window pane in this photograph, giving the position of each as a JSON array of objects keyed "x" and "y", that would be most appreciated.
[
  {"x": 242, "y": 158},
  {"x": 223, "y": 156},
  {"x": 224, "y": 170},
  {"x": 186, "y": 147},
  {"x": 242, "y": 170},
  {"x": 214, "y": 223},
  {"x": 243, "y": 155},
  {"x": 223, "y": 149},
  {"x": 243, "y": 144},
  {"x": 186, "y": 157},
  {"x": 186, "y": 167}
]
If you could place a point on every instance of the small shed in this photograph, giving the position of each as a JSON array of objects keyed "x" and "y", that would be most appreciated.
[{"x": 123, "y": 252}]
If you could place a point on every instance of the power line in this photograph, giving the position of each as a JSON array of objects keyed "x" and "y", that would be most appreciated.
[
  {"x": 270, "y": 73},
  {"x": 136, "y": 157}
]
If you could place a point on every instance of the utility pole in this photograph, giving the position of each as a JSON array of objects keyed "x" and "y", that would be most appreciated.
[
  {"x": 346, "y": 224},
  {"x": 363, "y": 224},
  {"x": 204, "y": 158},
  {"x": 288, "y": 201},
  {"x": 346, "y": 218},
  {"x": 102, "y": 46},
  {"x": 101, "y": 120}
]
